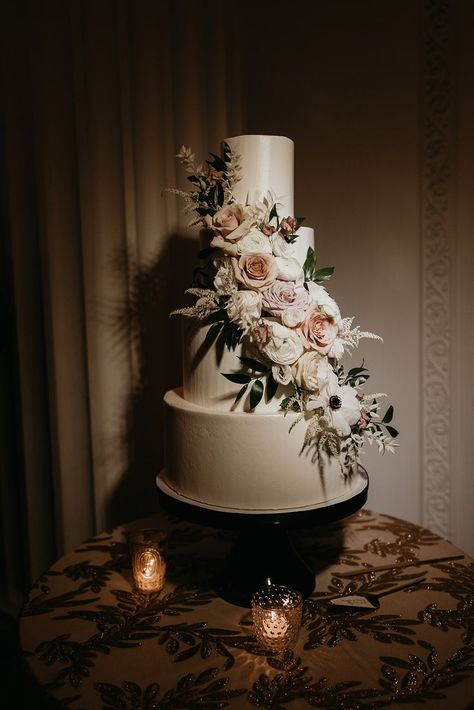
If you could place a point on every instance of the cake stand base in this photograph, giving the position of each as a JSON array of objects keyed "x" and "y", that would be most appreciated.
[{"x": 263, "y": 551}]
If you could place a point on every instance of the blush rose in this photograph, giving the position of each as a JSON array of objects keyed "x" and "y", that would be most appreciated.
[
  {"x": 229, "y": 224},
  {"x": 318, "y": 331},
  {"x": 255, "y": 271}
]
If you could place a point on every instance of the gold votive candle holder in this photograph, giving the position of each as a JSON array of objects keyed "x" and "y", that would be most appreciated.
[
  {"x": 277, "y": 612},
  {"x": 148, "y": 560}
]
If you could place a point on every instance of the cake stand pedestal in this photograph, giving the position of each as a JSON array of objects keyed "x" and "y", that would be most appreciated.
[{"x": 263, "y": 552}]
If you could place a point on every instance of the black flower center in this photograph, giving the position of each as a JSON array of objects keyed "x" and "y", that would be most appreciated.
[{"x": 335, "y": 402}]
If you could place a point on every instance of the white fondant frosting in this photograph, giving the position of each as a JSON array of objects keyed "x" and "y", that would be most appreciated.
[
  {"x": 245, "y": 461},
  {"x": 203, "y": 381},
  {"x": 267, "y": 164}
]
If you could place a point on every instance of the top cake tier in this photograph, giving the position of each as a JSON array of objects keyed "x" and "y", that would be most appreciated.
[{"x": 267, "y": 164}]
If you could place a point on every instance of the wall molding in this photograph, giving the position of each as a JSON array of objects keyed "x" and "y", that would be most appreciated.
[{"x": 437, "y": 116}]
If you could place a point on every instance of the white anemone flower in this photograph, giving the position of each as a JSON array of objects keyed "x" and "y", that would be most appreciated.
[{"x": 340, "y": 405}]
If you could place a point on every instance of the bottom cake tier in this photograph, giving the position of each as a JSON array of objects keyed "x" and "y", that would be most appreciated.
[{"x": 247, "y": 461}]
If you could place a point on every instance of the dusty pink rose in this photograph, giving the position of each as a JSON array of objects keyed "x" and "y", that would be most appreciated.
[
  {"x": 260, "y": 334},
  {"x": 230, "y": 223},
  {"x": 283, "y": 295},
  {"x": 255, "y": 271},
  {"x": 318, "y": 331},
  {"x": 268, "y": 229},
  {"x": 288, "y": 226}
]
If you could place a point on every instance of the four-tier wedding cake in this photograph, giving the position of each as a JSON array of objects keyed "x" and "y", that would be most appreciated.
[{"x": 267, "y": 419}]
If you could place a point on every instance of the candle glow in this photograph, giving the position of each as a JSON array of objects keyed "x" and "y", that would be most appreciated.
[
  {"x": 148, "y": 563},
  {"x": 277, "y": 612}
]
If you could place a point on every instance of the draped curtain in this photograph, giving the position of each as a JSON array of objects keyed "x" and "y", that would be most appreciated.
[{"x": 96, "y": 99}]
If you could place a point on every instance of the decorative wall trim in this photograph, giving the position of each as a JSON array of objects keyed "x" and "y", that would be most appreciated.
[{"x": 437, "y": 234}]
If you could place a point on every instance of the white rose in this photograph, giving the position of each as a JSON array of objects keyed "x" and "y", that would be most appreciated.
[
  {"x": 289, "y": 269},
  {"x": 312, "y": 372},
  {"x": 224, "y": 280},
  {"x": 292, "y": 317},
  {"x": 284, "y": 346},
  {"x": 281, "y": 374},
  {"x": 244, "y": 308},
  {"x": 280, "y": 246},
  {"x": 255, "y": 242},
  {"x": 323, "y": 300}
]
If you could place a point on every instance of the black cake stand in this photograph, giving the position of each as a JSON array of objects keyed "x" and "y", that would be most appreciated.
[{"x": 263, "y": 551}]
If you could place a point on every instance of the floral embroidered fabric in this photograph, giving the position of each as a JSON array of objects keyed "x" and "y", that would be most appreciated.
[{"x": 93, "y": 642}]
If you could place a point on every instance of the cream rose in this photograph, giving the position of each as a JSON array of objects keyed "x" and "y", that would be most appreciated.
[
  {"x": 284, "y": 347},
  {"x": 255, "y": 242},
  {"x": 281, "y": 374},
  {"x": 318, "y": 331},
  {"x": 293, "y": 317},
  {"x": 280, "y": 246},
  {"x": 255, "y": 271},
  {"x": 244, "y": 308},
  {"x": 283, "y": 295},
  {"x": 289, "y": 269},
  {"x": 312, "y": 371}
]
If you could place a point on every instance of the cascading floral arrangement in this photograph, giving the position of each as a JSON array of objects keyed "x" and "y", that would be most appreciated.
[{"x": 251, "y": 290}]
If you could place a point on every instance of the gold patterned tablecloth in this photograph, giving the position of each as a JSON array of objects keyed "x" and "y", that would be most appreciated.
[{"x": 92, "y": 642}]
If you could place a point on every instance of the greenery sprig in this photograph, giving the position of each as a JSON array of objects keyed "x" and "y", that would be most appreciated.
[
  {"x": 311, "y": 273},
  {"x": 258, "y": 371}
]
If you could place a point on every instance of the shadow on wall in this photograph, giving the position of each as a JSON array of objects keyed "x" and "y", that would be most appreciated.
[{"x": 157, "y": 289}]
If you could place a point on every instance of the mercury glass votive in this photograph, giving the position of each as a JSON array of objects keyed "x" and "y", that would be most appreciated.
[
  {"x": 277, "y": 611},
  {"x": 148, "y": 560}
]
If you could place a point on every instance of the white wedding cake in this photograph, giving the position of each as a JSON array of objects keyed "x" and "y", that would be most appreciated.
[{"x": 266, "y": 419}]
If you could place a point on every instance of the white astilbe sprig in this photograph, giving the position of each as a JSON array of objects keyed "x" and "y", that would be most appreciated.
[
  {"x": 189, "y": 202},
  {"x": 207, "y": 302},
  {"x": 351, "y": 336},
  {"x": 370, "y": 403}
]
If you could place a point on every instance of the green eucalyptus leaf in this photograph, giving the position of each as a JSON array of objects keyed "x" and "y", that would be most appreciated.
[
  {"x": 274, "y": 215},
  {"x": 217, "y": 163},
  {"x": 240, "y": 393},
  {"x": 356, "y": 370},
  {"x": 220, "y": 194},
  {"x": 393, "y": 432},
  {"x": 323, "y": 274},
  {"x": 272, "y": 386},
  {"x": 388, "y": 416},
  {"x": 256, "y": 393},
  {"x": 239, "y": 378},
  {"x": 253, "y": 364},
  {"x": 308, "y": 266}
]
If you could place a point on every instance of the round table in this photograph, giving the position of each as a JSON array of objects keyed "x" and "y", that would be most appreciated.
[{"x": 92, "y": 642}]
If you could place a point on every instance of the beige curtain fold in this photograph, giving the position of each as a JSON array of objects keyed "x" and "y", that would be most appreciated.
[{"x": 106, "y": 93}]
